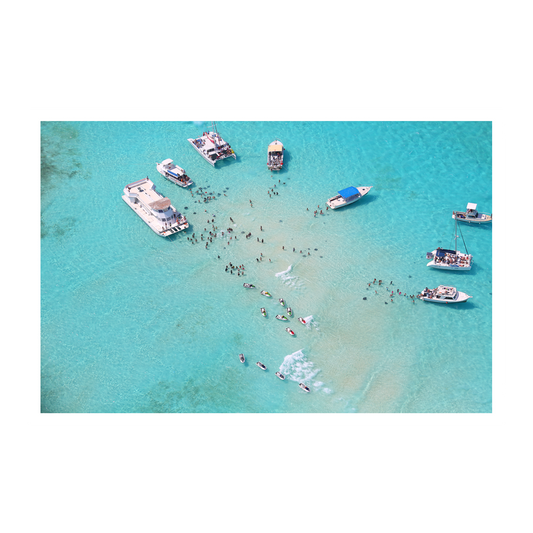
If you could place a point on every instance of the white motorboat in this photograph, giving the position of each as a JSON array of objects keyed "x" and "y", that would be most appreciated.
[
  {"x": 173, "y": 173},
  {"x": 289, "y": 311},
  {"x": 443, "y": 294},
  {"x": 275, "y": 155},
  {"x": 280, "y": 375},
  {"x": 212, "y": 147},
  {"x": 304, "y": 387},
  {"x": 266, "y": 293},
  {"x": 261, "y": 365},
  {"x": 248, "y": 286},
  {"x": 445, "y": 259},
  {"x": 263, "y": 311},
  {"x": 281, "y": 317},
  {"x": 348, "y": 196},
  {"x": 153, "y": 208},
  {"x": 241, "y": 357},
  {"x": 302, "y": 321},
  {"x": 282, "y": 302},
  {"x": 471, "y": 215},
  {"x": 290, "y": 332}
]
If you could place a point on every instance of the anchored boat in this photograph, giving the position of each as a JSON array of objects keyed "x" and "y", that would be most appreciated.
[
  {"x": 275, "y": 155},
  {"x": 212, "y": 147},
  {"x": 173, "y": 173},
  {"x": 348, "y": 196},
  {"x": 471, "y": 215},
  {"x": 445, "y": 259},
  {"x": 443, "y": 294},
  {"x": 153, "y": 208}
]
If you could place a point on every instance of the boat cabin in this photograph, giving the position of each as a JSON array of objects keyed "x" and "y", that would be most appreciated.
[
  {"x": 444, "y": 292},
  {"x": 471, "y": 210}
]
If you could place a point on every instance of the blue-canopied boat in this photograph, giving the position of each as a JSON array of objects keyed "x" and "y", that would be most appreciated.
[{"x": 347, "y": 196}]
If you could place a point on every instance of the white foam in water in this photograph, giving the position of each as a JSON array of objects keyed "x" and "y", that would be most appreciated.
[
  {"x": 297, "y": 368},
  {"x": 285, "y": 276}
]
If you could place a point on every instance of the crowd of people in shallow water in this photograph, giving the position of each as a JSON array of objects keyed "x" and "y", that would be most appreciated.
[
  {"x": 228, "y": 236},
  {"x": 392, "y": 294}
]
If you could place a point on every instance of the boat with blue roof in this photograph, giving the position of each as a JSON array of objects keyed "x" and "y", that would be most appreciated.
[
  {"x": 348, "y": 196},
  {"x": 173, "y": 173}
]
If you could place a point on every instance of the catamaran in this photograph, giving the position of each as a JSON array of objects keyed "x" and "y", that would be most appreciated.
[
  {"x": 173, "y": 173},
  {"x": 275, "y": 155},
  {"x": 471, "y": 215},
  {"x": 348, "y": 196},
  {"x": 443, "y": 294},
  {"x": 154, "y": 208},
  {"x": 212, "y": 147},
  {"x": 450, "y": 259}
]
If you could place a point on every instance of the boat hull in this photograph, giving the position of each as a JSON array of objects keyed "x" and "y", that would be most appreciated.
[{"x": 483, "y": 218}]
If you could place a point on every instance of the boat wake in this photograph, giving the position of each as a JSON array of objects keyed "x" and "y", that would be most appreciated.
[
  {"x": 297, "y": 368},
  {"x": 288, "y": 279}
]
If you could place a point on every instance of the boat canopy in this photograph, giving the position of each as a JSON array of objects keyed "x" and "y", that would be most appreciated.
[
  {"x": 164, "y": 203},
  {"x": 471, "y": 207},
  {"x": 167, "y": 162},
  {"x": 275, "y": 147},
  {"x": 349, "y": 193},
  {"x": 442, "y": 252}
]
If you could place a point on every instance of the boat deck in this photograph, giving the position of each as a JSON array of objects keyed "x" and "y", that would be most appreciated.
[{"x": 206, "y": 148}]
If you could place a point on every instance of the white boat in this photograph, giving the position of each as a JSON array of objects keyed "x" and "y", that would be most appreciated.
[
  {"x": 471, "y": 215},
  {"x": 248, "y": 286},
  {"x": 445, "y": 259},
  {"x": 289, "y": 311},
  {"x": 212, "y": 147},
  {"x": 302, "y": 320},
  {"x": 348, "y": 196},
  {"x": 154, "y": 208},
  {"x": 281, "y": 317},
  {"x": 173, "y": 173},
  {"x": 241, "y": 357},
  {"x": 275, "y": 155},
  {"x": 266, "y": 293},
  {"x": 263, "y": 311},
  {"x": 290, "y": 332},
  {"x": 443, "y": 294},
  {"x": 280, "y": 375},
  {"x": 261, "y": 365},
  {"x": 304, "y": 387},
  {"x": 282, "y": 302}
]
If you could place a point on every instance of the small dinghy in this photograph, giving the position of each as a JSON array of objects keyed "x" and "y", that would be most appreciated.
[
  {"x": 304, "y": 387},
  {"x": 289, "y": 330},
  {"x": 282, "y": 301},
  {"x": 289, "y": 311},
  {"x": 248, "y": 286},
  {"x": 241, "y": 357},
  {"x": 281, "y": 317},
  {"x": 263, "y": 311},
  {"x": 302, "y": 320},
  {"x": 261, "y": 365},
  {"x": 280, "y": 375},
  {"x": 266, "y": 293}
]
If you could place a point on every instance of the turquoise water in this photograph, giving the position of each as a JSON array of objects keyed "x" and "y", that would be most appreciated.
[{"x": 134, "y": 323}]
